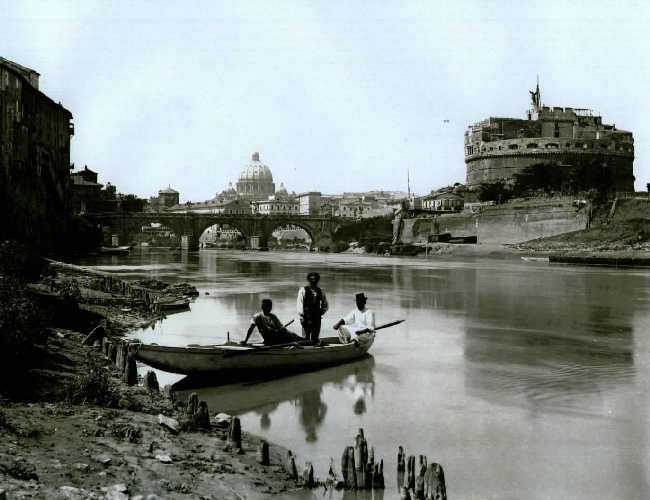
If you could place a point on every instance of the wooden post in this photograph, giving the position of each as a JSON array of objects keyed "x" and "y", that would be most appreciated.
[
  {"x": 202, "y": 418},
  {"x": 420, "y": 478},
  {"x": 404, "y": 494},
  {"x": 130, "y": 371},
  {"x": 262, "y": 455},
  {"x": 119, "y": 356},
  {"x": 234, "y": 433},
  {"x": 193, "y": 404},
  {"x": 348, "y": 470},
  {"x": 401, "y": 466},
  {"x": 150, "y": 382},
  {"x": 360, "y": 459},
  {"x": 434, "y": 483},
  {"x": 112, "y": 353},
  {"x": 308, "y": 476},
  {"x": 370, "y": 469},
  {"x": 290, "y": 466},
  {"x": 378, "y": 476},
  {"x": 107, "y": 348},
  {"x": 409, "y": 481}
]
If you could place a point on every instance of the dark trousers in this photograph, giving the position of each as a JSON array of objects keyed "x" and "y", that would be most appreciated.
[
  {"x": 311, "y": 328},
  {"x": 276, "y": 337}
]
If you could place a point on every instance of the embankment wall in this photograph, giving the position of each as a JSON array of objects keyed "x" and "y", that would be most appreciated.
[{"x": 508, "y": 223}]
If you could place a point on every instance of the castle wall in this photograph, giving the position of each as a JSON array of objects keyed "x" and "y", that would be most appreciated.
[
  {"x": 496, "y": 164},
  {"x": 508, "y": 223}
]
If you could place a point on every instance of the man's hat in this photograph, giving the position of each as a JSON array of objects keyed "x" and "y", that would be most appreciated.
[
  {"x": 314, "y": 274},
  {"x": 361, "y": 296}
]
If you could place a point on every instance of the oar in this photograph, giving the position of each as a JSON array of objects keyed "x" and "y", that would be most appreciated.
[
  {"x": 392, "y": 323},
  {"x": 386, "y": 325}
]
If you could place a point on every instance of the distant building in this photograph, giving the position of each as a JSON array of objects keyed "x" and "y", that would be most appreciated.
[
  {"x": 497, "y": 149},
  {"x": 443, "y": 202},
  {"x": 35, "y": 137},
  {"x": 273, "y": 206},
  {"x": 234, "y": 207},
  {"x": 166, "y": 198},
  {"x": 309, "y": 203},
  {"x": 86, "y": 192}
]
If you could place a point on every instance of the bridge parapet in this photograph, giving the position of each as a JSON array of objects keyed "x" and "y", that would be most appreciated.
[{"x": 190, "y": 226}]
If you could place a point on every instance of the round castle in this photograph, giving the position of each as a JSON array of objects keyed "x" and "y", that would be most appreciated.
[{"x": 497, "y": 149}]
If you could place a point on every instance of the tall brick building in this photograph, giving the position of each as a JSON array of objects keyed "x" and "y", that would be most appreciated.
[
  {"x": 497, "y": 149},
  {"x": 35, "y": 136}
]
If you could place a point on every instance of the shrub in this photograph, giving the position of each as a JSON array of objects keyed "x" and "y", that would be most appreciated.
[
  {"x": 20, "y": 262},
  {"x": 70, "y": 293},
  {"x": 22, "y": 330},
  {"x": 92, "y": 387}
]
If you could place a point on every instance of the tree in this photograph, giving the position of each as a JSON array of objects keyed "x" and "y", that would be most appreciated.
[{"x": 494, "y": 191}]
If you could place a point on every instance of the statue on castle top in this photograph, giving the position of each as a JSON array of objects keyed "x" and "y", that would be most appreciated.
[{"x": 536, "y": 97}]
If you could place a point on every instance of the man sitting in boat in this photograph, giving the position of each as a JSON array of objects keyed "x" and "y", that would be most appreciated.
[
  {"x": 270, "y": 327},
  {"x": 359, "y": 325}
]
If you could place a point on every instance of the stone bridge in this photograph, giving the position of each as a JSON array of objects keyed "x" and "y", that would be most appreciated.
[{"x": 256, "y": 229}]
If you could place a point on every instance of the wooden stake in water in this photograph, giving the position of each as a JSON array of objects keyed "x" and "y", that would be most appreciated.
[
  {"x": 348, "y": 470},
  {"x": 434, "y": 483}
]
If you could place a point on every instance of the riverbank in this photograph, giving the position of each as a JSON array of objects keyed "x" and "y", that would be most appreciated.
[
  {"x": 78, "y": 431},
  {"x": 617, "y": 243}
]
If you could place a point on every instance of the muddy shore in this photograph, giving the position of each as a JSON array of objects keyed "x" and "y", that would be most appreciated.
[{"x": 54, "y": 446}]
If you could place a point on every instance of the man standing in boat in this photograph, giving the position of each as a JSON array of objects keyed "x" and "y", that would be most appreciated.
[
  {"x": 311, "y": 306},
  {"x": 271, "y": 329},
  {"x": 359, "y": 322}
]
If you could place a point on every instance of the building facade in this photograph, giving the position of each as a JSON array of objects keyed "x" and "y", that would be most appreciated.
[
  {"x": 35, "y": 137},
  {"x": 443, "y": 202},
  {"x": 497, "y": 149},
  {"x": 166, "y": 198},
  {"x": 309, "y": 203}
]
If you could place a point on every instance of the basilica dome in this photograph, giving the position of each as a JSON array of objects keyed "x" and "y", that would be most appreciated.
[
  {"x": 256, "y": 180},
  {"x": 256, "y": 170}
]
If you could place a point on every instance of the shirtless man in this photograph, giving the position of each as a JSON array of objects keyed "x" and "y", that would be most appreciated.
[{"x": 270, "y": 327}]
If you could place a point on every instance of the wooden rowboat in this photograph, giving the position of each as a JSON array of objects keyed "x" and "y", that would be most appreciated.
[
  {"x": 236, "y": 359},
  {"x": 172, "y": 304}
]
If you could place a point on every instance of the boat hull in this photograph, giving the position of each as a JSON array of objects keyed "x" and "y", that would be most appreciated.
[{"x": 229, "y": 359}]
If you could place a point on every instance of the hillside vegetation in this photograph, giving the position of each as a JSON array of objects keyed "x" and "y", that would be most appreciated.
[{"x": 627, "y": 229}]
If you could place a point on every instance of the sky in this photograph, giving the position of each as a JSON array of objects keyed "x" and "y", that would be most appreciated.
[{"x": 335, "y": 96}]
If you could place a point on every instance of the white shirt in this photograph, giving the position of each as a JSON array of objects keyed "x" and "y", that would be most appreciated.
[{"x": 359, "y": 320}]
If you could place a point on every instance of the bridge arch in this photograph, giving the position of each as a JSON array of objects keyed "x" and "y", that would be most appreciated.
[{"x": 206, "y": 224}]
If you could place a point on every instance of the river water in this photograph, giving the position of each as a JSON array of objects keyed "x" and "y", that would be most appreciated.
[{"x": 524, "y": 380}]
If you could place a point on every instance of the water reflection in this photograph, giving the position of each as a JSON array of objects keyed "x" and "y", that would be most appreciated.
[
  {"x": 303, "y": 391},
  {"x": 540, "y": 366},
  {"x": 524, "y": 344}
]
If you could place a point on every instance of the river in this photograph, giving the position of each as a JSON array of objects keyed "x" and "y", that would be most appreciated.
[{"x": 524, "y": 380}]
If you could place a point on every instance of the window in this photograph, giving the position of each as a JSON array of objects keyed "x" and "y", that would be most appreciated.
[
  {"x": 513, "y": 146},
  {"x": 532, "y": 145}
]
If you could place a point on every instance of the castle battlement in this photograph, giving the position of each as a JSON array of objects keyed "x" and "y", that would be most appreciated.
[{"x": 496, "y": 149}]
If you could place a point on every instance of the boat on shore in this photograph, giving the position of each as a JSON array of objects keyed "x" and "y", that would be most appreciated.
[
  {"x": 123, "y": 250},
  {"x": 168, "y": 304},
  {"x": 234, "y": 359}
]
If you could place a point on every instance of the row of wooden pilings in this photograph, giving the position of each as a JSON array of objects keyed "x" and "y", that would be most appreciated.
[
  {"x": 110, "y": 284},
  {"x": 420, "y": 480},
  {"x": 117, "y": 351}
]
